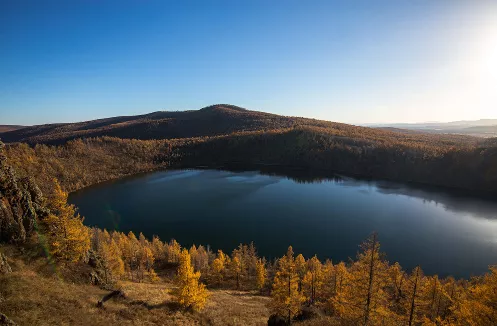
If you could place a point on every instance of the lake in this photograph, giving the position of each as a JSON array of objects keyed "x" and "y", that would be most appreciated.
[{"x": 446, "y": 232}]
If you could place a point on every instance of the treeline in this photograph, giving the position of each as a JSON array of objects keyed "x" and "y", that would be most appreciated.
[
  {"x": 450, "y": 161},
  {"x": 443, "y": 160},
  {"x": 81, "y": 163}
]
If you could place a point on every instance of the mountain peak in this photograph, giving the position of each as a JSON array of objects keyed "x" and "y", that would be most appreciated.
[{"x": 223, "y": 107}]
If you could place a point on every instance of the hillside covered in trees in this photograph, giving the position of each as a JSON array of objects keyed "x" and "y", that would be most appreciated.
[
  {"x": 227, "y": 136},
  {"x": 210, "y": 121},
  {"x": 44, "y": 239}
]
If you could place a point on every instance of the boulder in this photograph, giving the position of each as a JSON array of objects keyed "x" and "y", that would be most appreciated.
[{"x": 276, "y": 320}]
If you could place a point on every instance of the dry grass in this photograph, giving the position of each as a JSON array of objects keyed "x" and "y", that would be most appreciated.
[{"x": 31, "y": 297}]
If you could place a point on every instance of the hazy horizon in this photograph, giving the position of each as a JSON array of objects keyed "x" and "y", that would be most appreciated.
[{"x": 354, "y": 62}]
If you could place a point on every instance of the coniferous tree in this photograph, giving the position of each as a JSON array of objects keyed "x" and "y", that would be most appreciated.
[
  {"x": 189, "y": 293},
  {"x": 111, "y": 260},
  {"x": 261, "y": 274},
  {"x": 236, "y": 270},
  {"x": 341, "y": 287},
  {"x": 313, "y": 280},
  {"x": 286, "y": 298},
  {"x": 300, "y": 267},
  {"x": 479, "y": 306},
  {"x": 365, "y": 297},
  {"x": 68, "y": 238},
  {"x": 414, "y": 287},
  {"x": 173, "y": 251}
]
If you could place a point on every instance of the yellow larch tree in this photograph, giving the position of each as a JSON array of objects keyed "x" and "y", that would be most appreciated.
[
  {"x": 112, "y": 263},
  {"x": 329, "y": 280},
  {"x": 300, "y": 267},
  {"x": 236, "y": 270},
  {"x": 218, "y": 267},
  {"x": 190, "y": 294},
  {"x": 313, "y": 280},
  {"x": 173, "y": 251},
  {"x": 396, "y": 283},
  {"x": 133, "y": 253},
  {"x": 341, "y": 285},
  {"x": 366, "y": 300},
  {"x": 158, "y": 249},
  {"x": 432, "y": 297},
  {"x": 286, "y": 298},
  {"x": 411, "y": 296},
  {"x": 124, "y": 245},
  {"x": 261, "y": 273},
  {"x": 146, "y": 261},
  {"x": 68, "y": 238},
  {"x": 479, "y": 307}
]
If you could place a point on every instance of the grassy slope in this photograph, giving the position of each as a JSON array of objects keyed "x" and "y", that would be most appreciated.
[{"x": 33, "y": 295}]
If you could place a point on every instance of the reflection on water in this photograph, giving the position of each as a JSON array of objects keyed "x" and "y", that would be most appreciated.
[{"x": 446, "y": 232}]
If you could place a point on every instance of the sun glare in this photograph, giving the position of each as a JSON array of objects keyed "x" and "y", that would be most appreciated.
[{"x": 478, "y": 87}]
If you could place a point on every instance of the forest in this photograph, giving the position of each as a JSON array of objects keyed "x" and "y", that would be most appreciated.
[
  {"x": 37, "y": 174},
  {"x": 442, "y": 160},
  {"x": 367, "y": 290}
]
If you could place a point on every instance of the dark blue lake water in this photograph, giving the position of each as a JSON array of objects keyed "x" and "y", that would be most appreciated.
[{"x": 445, "y": 232}]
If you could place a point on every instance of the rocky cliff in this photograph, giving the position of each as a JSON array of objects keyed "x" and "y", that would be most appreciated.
[{"x": 21, "y": 204}]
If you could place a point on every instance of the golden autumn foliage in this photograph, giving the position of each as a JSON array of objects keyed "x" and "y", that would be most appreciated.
[
  {"x": 480, "y": 305},
  {"x": 365, "y": 297},
  {"x": 236, "y": 269},
  {"x": 67, "y": 237},
  {"x": 312, "y": 282},
  {"x": 261, "y": 273},
  {"x": 286, "y": 297},
  {"x": 218, "y": 267},
  {"x": 189, "y": 293}
]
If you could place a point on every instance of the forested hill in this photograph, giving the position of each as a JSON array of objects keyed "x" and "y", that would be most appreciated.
[
  {"x": 213, "y": 120},
  {"x": 219, "y": 135}
]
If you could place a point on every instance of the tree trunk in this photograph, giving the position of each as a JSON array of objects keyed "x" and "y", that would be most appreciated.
[
  {"x": 411, "y": 313},
  {"x": 289, "y": 296},
  {"x": 370, "y": 288}
]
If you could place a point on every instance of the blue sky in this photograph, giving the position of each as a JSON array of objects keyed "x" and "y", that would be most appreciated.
[{"x": 349, "y": 61}]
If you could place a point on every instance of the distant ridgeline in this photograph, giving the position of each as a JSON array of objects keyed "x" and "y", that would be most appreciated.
[
  {"x": 223, "y": 135},
  {"x": 366, "y": 291}
]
